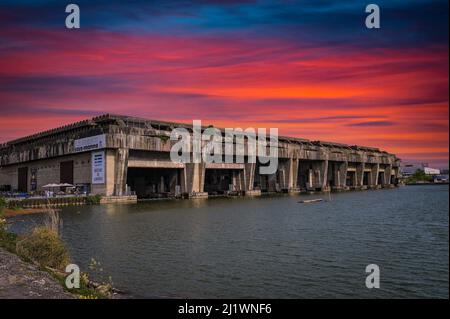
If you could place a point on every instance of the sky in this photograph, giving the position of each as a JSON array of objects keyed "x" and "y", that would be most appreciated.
[{"x": 310, "y": 68}]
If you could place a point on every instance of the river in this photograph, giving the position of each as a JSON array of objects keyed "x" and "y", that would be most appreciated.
[{"x": 268, "y": 247}]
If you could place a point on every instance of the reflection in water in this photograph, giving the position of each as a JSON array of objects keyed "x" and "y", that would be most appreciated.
[{"x": 268, "y": 246}]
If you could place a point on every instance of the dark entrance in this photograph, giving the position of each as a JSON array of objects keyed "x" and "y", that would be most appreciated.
[
  {"x": 366, "y": 178},
  {"x": 22, "y": 185},
  {"x": 350, "y": 179},
  {"x": 66, "y": 172},
  {"x": 219, "y": 181},
  {"x": 154, "y": 182},
  {"x": 260, "y": 181},
  {"x": 380, "y": 178},
  {"x": 303, "y": 176}
]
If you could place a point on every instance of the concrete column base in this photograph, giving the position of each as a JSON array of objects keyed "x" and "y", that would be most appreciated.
[
  {"x": 130, "y": 199},
  {"x": 290, "y": 190},
  {"x": 198, "y": 195},
  {"x": 255, "y": 192}
]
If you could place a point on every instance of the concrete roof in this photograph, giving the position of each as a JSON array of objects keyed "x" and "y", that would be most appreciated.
[{"x": 117, "y": 119}]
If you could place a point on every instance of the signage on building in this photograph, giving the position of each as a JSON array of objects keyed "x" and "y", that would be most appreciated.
[
  {"x": 90, "y": 143},
  {"x": 98, "y": 167}
]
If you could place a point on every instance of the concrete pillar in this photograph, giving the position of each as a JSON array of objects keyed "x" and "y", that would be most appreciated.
[
  {"x": 395, "y": 172},
  {"x": 318, "y": 175},
  {"x": 324, "y": 174},
  {"x": 234, "y": 184},
  {"x": 310, "y": 184},
  {"x": 287, "y": 174},
  {"x": 339, "y": 175},
  {"x": 249, "y": 176},
  {"x": 120, "y": 173},
  {"x": 283, "y": 175},
  {"x": 272, "y": 183},
  {"x": 387, "y": 175},
  {"x": 193, "y": 179},
  {"x": 373, "y": 181},
  {"x": 173, "y": 182},
  {"x": 360, "y": 174},
  {"x": 161, "y": 188},
  {"x": 343, "y": 175},
  {"x": 292, "y": 176},
  {"x": 334, "y": 174}
]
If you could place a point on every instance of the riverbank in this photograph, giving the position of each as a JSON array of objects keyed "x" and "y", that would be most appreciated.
[
  {"x": 426, "y": 184},
  {"x": 21, "y": 280},
  {"x": 32, "y": 265}
]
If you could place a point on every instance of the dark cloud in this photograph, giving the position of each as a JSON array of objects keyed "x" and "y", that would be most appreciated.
[
  {"x": 372, "y": 123},
  {"x": 55, "y": 85},
  {"x": 405, "y": 23}
]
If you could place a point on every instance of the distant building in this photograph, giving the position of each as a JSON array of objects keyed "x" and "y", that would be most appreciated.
[
  {"x": 442, "y": 178},
  {"x": 409, "y": 169},
  {"x": 431, "y": 171}
]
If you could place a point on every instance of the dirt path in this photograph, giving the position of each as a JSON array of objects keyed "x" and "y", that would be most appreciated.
[{"x": 19, "y": 280}]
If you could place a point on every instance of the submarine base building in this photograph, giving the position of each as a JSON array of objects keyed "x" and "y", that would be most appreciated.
[{"x": 113, "y": 155}]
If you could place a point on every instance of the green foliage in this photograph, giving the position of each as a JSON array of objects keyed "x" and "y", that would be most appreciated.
[
  {"x": 44, "y": 247},
  {"x": 419, "y": 176},
  {"x": 92, "y": 200},
  {"x": 2, "y": 205},
  {"x": 164, "y": 138},
  {"x": 85, "y": 291},
  {"x": 8, "y": 240}
]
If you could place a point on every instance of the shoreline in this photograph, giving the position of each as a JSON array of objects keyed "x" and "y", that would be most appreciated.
[
  {"x": 22, "y": 280},
  {"x": 8, "y": 212},
  {"x": 426, "y": 184}
]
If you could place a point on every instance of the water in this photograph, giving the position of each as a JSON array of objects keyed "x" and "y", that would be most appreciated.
[{"x": 268, "y": 247}]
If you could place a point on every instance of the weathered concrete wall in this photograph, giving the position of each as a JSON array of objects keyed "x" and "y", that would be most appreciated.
[{"x": 48, "y": 171}]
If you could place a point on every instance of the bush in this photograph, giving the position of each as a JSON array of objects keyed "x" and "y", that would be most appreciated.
[
  {"x": 44, "y": 247},
  {"x": 91, "y": 200},
  {"x": 7, "y": 240}
]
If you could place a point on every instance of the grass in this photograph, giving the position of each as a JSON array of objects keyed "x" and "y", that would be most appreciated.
[
  {"x": 84, "y": 292},
  {"x": 40, "y": 202},
  {"x": 43, "y": 247},
  {"x": 7, "y": 239}
]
